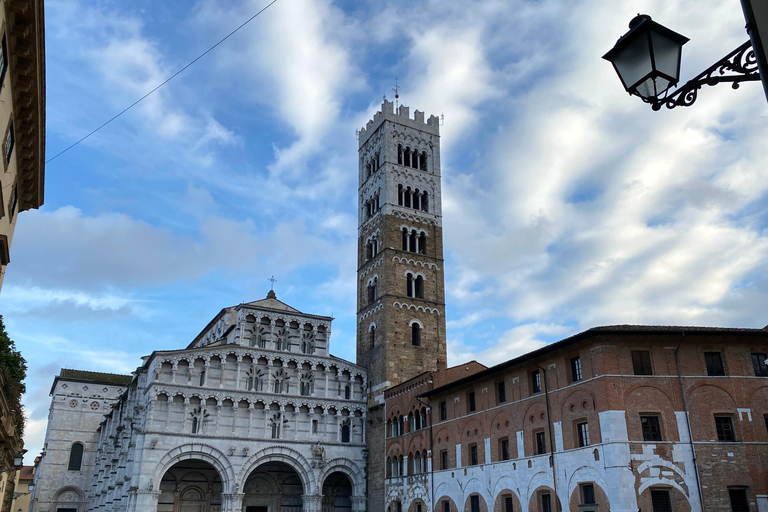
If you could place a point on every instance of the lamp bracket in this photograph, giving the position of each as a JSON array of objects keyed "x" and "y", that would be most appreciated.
[{"x": 738, "y": 66}]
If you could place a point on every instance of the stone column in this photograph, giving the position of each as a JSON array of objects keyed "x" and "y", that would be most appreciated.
[
  {"x": 231, "y": 502},
  {"x": 186, "y": 413},
  {"x": 218, "y": 416},
  {"x": 358, "y": 503},
  {"x": 237, "y": 377},
  {"x": 143, "y": 501},
  {"x": 207, "y": 370},
  {"x": 312, "y": 502}
]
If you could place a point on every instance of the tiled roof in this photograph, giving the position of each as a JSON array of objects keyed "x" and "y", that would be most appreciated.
[
  {"x": 101, "y": 378},
  {"x": 595, "y": 331}
]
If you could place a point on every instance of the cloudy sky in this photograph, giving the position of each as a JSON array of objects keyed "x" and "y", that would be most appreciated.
[{"x": 567, "y": 204}]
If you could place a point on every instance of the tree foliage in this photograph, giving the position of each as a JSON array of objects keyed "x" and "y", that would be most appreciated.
[{"x": 14, "y": 369}]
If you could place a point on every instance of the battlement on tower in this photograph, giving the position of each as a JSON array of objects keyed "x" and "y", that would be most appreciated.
[{"x": 402, "y": 116}]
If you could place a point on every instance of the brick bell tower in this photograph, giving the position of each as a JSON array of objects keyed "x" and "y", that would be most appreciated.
[{"x": 400, "y": 286}]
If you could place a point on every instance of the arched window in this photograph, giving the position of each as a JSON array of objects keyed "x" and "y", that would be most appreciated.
[
  {"x": 415, "y": 159},
  {"x": 416, "y": 335},
  {"x": 407, "y": 157},
  {"x": 409, "y": 285},
  {"x": 347, "y": 392},
  {"x": 425, "y": 201},
  {"x": 422, "y": 243},
  {"x": 418, "y": 291},
  {"x": 389, "y": 467},
  {"x": 372, "y": 290},
  {"x": 368, "y": 170},
  {"x": 75, "y": 457},
  {"x": 345, "y": 433},
  {"x": 276, "y": 426},
  {"x": 423, "y": 417},
  {"x": 400, "y": 154},
  {"x": 408, "y": 194},
  {"x": 389, "y": 428},
  {"x": 195, "y": 424},
  {"x": 400, "y": 195},
  {"x": 399, "y": 470},
  {"x": 423, "y": 161},
  {"x": 405, "y": 239},
  {"x": 412, "y": 241},
  {"x": 424, "y": 462},
  {"x": 376, "y": 163},
  {"x": 202, "y": 378},
  {"x": 416, "y": 420},
  {"x": 400, "y": 426}
]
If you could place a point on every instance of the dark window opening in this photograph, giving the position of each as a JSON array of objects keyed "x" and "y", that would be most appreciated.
[
  {"x": 419, "y": 287},
  {"x": 473, "y": 455},
  {"x": 651, "y": 428},
  {"x": 345, "y": 433},
  {"x": 508, "y": 504},
  {"x": 3, "y": 60},
  {"x": 423, "y": 243},
  {"x": 407, "y": 197},
  {"x": 444, "y": 459},
  {"x": 501, "y": 392},
  {"x": 546, "y": 503},
  {"x": 423, "y": 161},
  {"x": 347, "y": 392},
  {"x": 724, "y": 426},
  {"x": 412, "y": 241},
  {"x": 400, "y": 154},
  {"x": 409, "y": 285},
  {"x": 541, "y": 443},
  {"x": 75, "y": 457},
  {"x": 714, "y": 362},
  {"x": 583, "y": 431},
  {"x": 588, "y": 494},
  {"x": 471, "y": 401},
  {"x": 641, "y": 362},
  {"x": 536, "y": 380},
  {"x": 195, "y": 424},
  {"x": 660, "y": 500},
  {"x": 400, "y": 195},
  {"x": 443, "y": 411},
  {"x": 474, "y": 503},
  {"x": 446, "y": 506},
  {"x": 760, "y": 365},
  {"x": 202, "y": 377},
  {"x": 405, "y": 239},
  {"x": 504, "y": 448},
  {"x": 416, "y": 335},
  {"x": 425, "y": 202},
  {"x": 576, "y": 369},
  {"x": 9, "y": 139},
  {"x": 739, "y": 500}
]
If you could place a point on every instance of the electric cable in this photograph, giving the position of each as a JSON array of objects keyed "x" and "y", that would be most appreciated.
[{"x": 129, "y": 107}]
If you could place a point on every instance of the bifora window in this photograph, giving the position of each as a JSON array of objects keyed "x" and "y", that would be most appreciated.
[{"x": 714, "y": 362}]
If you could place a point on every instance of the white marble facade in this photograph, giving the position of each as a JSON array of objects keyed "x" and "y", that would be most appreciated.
[{"x": 254, "y": 415}]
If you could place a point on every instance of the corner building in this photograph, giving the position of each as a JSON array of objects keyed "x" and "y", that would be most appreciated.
[
  {"x": 620, "y": 418},
  {"x": 401, "y": 285}
]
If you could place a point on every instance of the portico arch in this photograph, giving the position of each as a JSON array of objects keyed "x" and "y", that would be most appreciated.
[
  {"x": 200, "y": 452},
  {"x": 280, "y": 454}
]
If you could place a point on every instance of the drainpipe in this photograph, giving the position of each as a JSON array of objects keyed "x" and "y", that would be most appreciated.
[
  {"x": 688, "y": 422},
  {"x": 551, "y": 437}
]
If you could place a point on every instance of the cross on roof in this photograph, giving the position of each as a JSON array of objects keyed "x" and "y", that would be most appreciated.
[{"x": 273, "y": 280}]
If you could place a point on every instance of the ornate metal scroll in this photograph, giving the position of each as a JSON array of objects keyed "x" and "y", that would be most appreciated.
[{"x": 738, "y": 66}]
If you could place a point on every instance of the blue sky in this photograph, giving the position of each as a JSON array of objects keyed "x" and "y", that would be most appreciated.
[{"x": 567, "y": 204}]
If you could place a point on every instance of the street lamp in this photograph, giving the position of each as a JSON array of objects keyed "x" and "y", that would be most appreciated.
[{"x": 647, "y": 60}]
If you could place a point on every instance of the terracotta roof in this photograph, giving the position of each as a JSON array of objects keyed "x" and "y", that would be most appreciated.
[
  {"x": 101, "y": 378},
  {"x": 596, "y": 331},
  {"x": 27, "y": 473}
]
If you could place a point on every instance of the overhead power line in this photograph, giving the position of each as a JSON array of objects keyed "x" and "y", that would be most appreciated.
[{"x": 129, "y": 107}]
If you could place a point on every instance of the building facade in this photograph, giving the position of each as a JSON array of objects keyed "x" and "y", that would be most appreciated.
[
  {"x": 22, "y": 115},
  {"x": 621, "y": 418},
  {"x": 254, "y": 415}
]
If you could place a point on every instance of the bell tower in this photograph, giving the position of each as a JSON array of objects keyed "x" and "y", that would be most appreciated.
[{"x": 400, "y": 286}]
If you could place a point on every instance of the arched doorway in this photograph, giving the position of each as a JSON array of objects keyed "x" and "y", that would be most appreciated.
[
  {"x": 337, "y": 493},
  {"x": 273, "y": 487},
  {"x": 192, "y": 486}
]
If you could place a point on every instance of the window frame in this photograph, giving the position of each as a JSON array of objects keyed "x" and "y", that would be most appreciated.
[
  {"x": 714, "y": 363},
  {"x": 539, "y": 442},
  {"x": 501, "y": 392},
  {"x": 536, "y": 381},
  {"x": 759, "y": 364},
  {"x": 650, "y": 438},
  {"x": 742, "y": 507},
  {"x": 444, "y": 410},
  {"x": 474, "y": 456},
  {"x": 584, "y": 495},
  {"x": 76, "y": 462},
  {"x": 582, "y": 434},
  {"x": 576, "y": 370},
  {"x": 664, "y": 495},
  {"x": 443, "y": 459},
  {"x": 642, "y": 363},
  {"x": 504, "y": 448},
  {"x": 725, "y": 435},
  {"x": 471, "y": 402}
]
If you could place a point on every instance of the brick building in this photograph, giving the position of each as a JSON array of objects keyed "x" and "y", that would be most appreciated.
[{"x": 642, "y": 418}]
